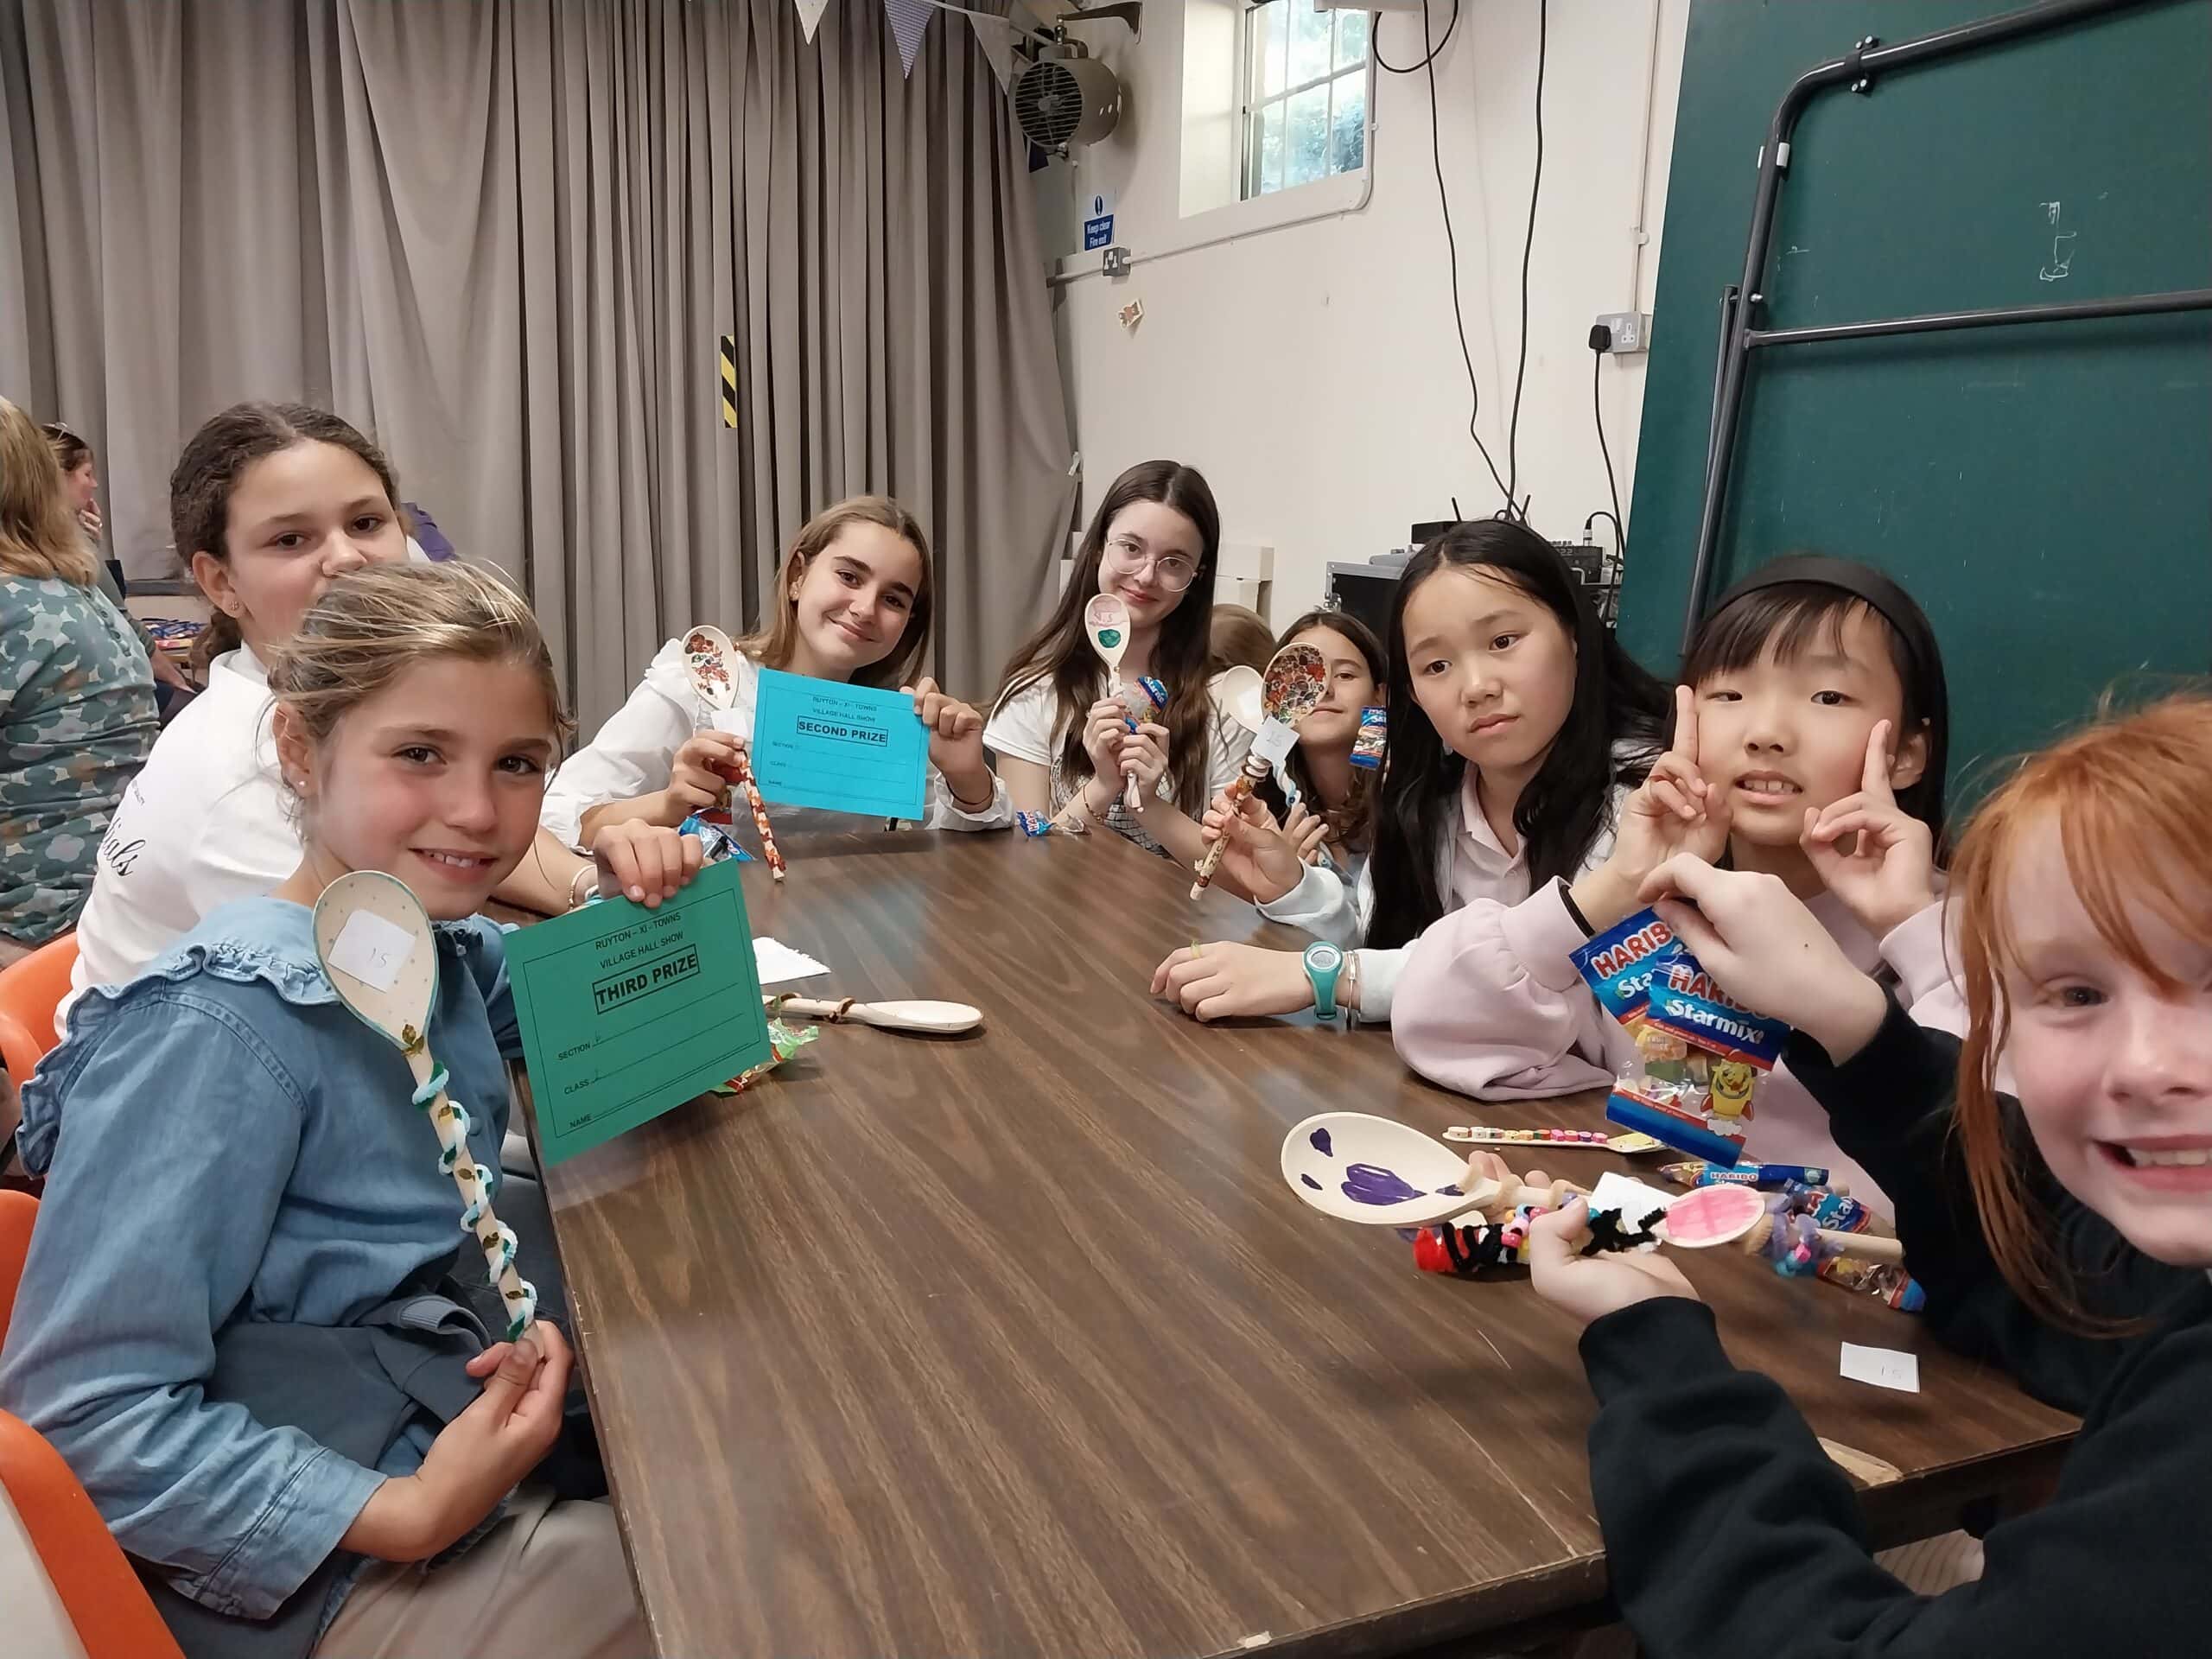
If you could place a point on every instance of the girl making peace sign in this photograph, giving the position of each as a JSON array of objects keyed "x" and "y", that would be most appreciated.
[{"x": 1809, "y": 741}]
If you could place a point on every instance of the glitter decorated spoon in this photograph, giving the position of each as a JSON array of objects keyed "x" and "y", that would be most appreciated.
[
  {"x": 708, "y": 654},
  {"x": 375, "y": 944},
  {"x": 1106, "y": 619},
  {"x": 1292, "y": 686}
]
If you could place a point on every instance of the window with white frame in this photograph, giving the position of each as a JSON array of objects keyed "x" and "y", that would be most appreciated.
[{"x": 1306, "y": 81}]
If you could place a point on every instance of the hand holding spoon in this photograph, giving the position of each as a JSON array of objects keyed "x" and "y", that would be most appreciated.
[
  {"x": 1106, "y": 619},
  {"x": 1292, "y": 686},
  {"x": 708, "y": 654}
]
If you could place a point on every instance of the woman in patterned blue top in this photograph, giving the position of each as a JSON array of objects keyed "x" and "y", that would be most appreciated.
[{"x": 76, "y": 698}]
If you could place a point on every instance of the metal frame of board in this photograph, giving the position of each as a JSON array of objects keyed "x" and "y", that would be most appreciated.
[{"x": 1739, "y": 340}]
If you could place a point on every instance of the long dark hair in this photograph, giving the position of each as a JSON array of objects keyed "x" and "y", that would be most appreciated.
[
  {"x": 1791, "y": 616},
  {"x": 216, "y": 457},
  {"x": 1564, "y": 806},
  {"x": 1348, "y": 824},
  {"x": 1060, "y": 651}
]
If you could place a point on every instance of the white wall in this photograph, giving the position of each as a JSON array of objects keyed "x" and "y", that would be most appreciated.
[{"x": 1312, "y": 371}]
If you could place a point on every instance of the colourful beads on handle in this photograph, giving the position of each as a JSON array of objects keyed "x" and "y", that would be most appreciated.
[
  {"x": 741, "y": 771},
  {"x": 477, "y": 1184}
]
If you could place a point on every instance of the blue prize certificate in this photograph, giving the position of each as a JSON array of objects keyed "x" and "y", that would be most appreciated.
[{"x": 847, "y": 749}]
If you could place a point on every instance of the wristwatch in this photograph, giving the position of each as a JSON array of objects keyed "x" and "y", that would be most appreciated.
[{"x": 1323, "y": 962}]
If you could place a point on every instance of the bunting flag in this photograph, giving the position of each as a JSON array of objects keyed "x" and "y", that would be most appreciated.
[
  {"x": 908, "y": 19},
  {"x": 997, "y": 42},
  {"x": 810, "y": 16}
]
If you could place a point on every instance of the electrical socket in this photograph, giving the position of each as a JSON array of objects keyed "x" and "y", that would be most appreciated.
[{"x": 1631, "y": 330}]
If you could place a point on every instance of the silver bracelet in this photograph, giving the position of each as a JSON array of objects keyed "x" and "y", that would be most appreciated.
[{"x": 577, "y": 890}]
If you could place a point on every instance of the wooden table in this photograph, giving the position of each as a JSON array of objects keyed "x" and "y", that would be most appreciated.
[{"x": 1017, "y": 1344}]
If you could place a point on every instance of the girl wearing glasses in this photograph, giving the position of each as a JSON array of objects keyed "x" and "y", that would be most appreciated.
[{"x": 1066, "y": 748}]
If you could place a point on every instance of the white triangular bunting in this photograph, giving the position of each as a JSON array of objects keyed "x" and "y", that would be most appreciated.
[
  {"x": 809, "y": 16},
  {"x": 909, "y": 18},
  {"x": 997, "y": 42}
]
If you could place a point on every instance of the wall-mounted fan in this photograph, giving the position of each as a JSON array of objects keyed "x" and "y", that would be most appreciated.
[
  {"x": 1066, "y": 97},
  {"x": 1062, "y": 96}
]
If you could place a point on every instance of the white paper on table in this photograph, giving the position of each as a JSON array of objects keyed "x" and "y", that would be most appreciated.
[
  {"x": 1632, "y": 1198},
  {"x": 1885, "y": 1368},
  {"x": 371, "y": 949},
  {"x": 775, "y": 963}
]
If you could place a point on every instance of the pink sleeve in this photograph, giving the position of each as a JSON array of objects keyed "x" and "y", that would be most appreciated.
[
  {"x": 1488, "y": 1003},
  {"x": 1921, "y": 952},
  {"x": 1918, "y": 952}
]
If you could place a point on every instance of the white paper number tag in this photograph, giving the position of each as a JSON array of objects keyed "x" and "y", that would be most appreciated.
[
  {"x": 372, "y": 949},
  {"x": 1885, "y": 1368},
  {"x": 1275, "y": 741}
]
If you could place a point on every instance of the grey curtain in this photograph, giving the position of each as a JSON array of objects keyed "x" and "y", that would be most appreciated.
[{"x": 506, "y": 236}]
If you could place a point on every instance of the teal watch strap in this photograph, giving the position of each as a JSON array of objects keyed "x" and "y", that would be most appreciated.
[{"x": 1323, "y": 962}]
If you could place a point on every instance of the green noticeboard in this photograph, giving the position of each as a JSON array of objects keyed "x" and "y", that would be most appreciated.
[{"x": 2045, "y": 491}]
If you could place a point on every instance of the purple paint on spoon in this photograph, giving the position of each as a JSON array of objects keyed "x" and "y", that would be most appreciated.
[
  {"x": 1321, "y": 1140},
  {"x": 1371, "y": 1183},
  {"x": 1311, "y": 1182},
  {"x": 1450, "y": 1192}
]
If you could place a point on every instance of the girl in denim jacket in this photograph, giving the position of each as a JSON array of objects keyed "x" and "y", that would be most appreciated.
[{"x": 240, "y": 1321}]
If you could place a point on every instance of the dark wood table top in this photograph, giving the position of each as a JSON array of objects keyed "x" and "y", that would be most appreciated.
[{"x": 1017, "y": 1344}]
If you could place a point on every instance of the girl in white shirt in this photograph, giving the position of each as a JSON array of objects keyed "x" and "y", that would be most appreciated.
[
  {"x": 1517, "y": 724},
  {"x": 269, "y": 504},
  {"x": 1066, "y": 748},
  {"x": 1330, "y": 823},
  {"x": 853, "y": 603}
]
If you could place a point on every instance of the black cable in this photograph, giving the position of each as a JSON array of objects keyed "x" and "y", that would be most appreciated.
[
  {"x": 1375, "y": 41},
  {"x": 1528, "y": 248},
  {"x": 1597, "y": 413},
  {"x": 1601, "y": 513},
  {"x": 1444, "y": 202}
]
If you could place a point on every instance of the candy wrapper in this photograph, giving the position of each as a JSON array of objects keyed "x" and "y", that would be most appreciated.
[
  {"x": 1145, "y": 699},
  {"x": 1699, "y": 1054},
  {"x": 716, "y": 841},
  {"x": 784, "y": 1041},
  {"x": 1884, "y": 1280},
  {"x": 1374, "y": 733}
]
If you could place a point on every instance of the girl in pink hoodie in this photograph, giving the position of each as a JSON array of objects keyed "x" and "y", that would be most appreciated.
[{"x": 1809, "y": 742}]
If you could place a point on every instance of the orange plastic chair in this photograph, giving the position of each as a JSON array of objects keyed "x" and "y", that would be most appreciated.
[
  {"x": 113, "y": 1616},
  {"x": 30, "y": 991},
  {"x": 18, "y": 1211}
]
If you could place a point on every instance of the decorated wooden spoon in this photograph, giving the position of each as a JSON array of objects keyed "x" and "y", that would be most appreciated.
[
  {"x": 376, "y": 947},
  {"x": 1106, "y": 619},
  {"x": 711, "y": 659},
  {"x": 1296, "y": 679},
  {"x": 1378, "y": 1171}
]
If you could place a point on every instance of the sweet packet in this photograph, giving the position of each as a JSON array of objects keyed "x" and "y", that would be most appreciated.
[
  {"x": 1374, "y": 732},
  {"x": 1699, "y": 1054}
]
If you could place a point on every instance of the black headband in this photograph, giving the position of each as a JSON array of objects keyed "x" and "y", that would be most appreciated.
[{"x": 1862, "y": 581}]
